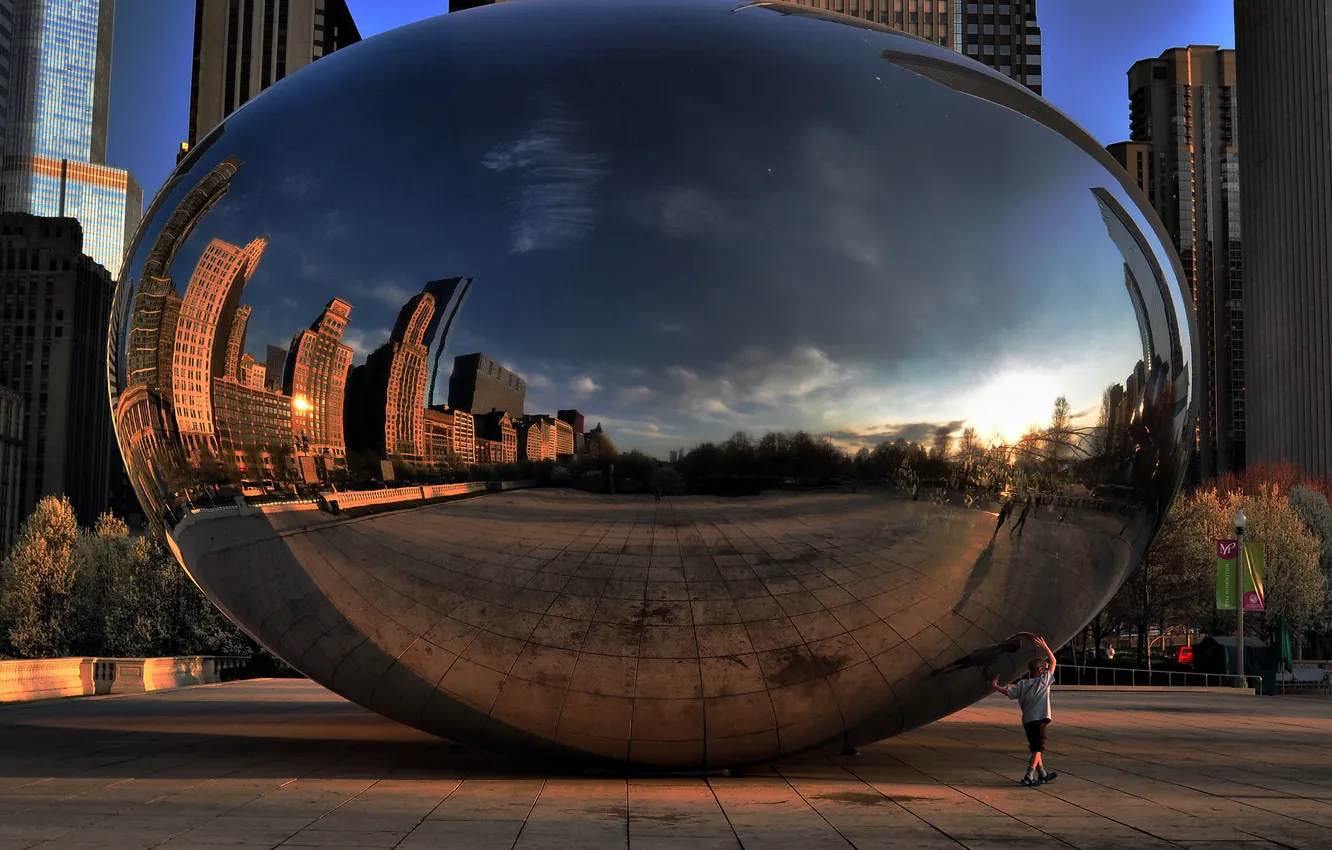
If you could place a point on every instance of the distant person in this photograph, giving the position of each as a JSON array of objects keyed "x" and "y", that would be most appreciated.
[
  {"x": 1004, "y": 511},
  {"x": 1033, "y": 696},
  {"x": 656, "y": 495},
  {"x": 1022, "y": 520}
]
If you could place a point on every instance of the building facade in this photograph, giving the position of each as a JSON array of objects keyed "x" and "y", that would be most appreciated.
[
  {"x": 450, "y": 436},
  {"x": 53, "y": 346},
  {"x": 12, "y": 420},
  {"x": 207, "y": 311},
  {"x": 253, "y": 425},
  {"x": 479, "y": 385},
  {"x": 315, "y": 377},
  {"x": 1284, "y": 75},
  {"x": 1183, "y": 153},
  {"x": 496, "y": 430},
  {"x": 242, "y": 47},
  {"x": 386, "y": 395},
  {"x": 56, "y": 125}
]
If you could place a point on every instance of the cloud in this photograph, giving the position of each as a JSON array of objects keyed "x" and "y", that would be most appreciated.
[
  {"x": 682, "y": 211},
  {"x": 584, "y": 385},
  {"x": 393, "y": 294},
  {"x": 912, "y": 432},
  {"x": 362, "y": 341},
  {"x": 753, "y": 386},
  {"x": 555, "y": 206},
  {"x": 669, "y": 328},
  {"x": 535, "y": 380}
]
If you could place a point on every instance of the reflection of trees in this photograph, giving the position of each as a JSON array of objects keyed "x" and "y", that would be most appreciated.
[{"x": 1124, "y": 455}]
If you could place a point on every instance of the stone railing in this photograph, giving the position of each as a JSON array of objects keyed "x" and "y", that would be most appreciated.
[
  {"x": 345, "y": 499},
  {"x": 49, "y": 678}
]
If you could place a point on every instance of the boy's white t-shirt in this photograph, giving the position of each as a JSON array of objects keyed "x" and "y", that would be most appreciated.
[{"x": 1033, "y": 695}]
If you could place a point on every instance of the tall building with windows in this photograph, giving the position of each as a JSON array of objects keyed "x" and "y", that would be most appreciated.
[
  {"x": 478, "y": 384},
  {"x": 315, "y": 376},
  {"x": 11, "y": 464},
  {"x": 1284, "y": 76},
  {"x": 242, "y": 47},
  {"x": 1004, "y": 36},
  {"x": 203, "y": 330},
  {"x": 53, "y": 333},
  {"x": 1183, "y": 152},
  {"x": 386, "y": 395},
  {"x": 55, "y": 129}
]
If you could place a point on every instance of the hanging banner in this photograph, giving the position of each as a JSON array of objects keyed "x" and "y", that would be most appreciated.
[
  {"x": 1227, "y": 575},
  {"x": 1255, "y": 598}
]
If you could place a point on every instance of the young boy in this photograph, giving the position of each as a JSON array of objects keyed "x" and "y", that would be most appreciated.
[{"x": 1033, "y": 696}]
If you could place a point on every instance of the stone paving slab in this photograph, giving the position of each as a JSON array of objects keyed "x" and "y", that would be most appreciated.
[{"x": 288, "y": 764}]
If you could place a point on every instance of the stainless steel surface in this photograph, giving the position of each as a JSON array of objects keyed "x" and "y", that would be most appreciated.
[{"x": 683, "y": 222}]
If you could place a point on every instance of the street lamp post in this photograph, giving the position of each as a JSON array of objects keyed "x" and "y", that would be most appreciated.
[{"x": 1241, "y": 522}]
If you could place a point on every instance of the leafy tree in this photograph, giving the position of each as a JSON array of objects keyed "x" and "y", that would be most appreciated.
[
  {"x": 39, "y": 608},
  {"x": 600, "y": 447},
  {"x": 1294, "y": 583},
  {"x": 1316, "y": 514}
]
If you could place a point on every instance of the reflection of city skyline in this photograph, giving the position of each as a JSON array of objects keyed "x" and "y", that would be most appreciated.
[{"x": 197, "y": 400}]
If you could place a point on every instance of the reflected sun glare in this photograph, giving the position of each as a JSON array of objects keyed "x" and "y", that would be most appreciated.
[{"x": 1010, "y": 402}]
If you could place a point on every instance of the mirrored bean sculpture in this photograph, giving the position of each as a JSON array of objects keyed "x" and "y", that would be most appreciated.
[{"x": 675, "y": 385}]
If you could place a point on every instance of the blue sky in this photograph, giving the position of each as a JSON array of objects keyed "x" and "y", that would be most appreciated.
[{"x": 1088, "y": 47}]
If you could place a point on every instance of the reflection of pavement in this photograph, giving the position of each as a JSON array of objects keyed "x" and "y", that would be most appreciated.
[
  {"x": 263, "y": 763},
  {"x": 705, "y": 630}
]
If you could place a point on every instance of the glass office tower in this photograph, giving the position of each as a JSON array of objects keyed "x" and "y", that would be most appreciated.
[{"x": 55, "y": 139}]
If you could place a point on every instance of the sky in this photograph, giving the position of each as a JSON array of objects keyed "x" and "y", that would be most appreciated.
[
  {"x": 785, "y": 269},
  {"x": 1088, "y": 46}
]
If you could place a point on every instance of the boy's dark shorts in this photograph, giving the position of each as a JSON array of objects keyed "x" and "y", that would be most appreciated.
[{"x": 1036, "y": 735}]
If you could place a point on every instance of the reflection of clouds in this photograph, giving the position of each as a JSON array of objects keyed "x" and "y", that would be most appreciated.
[
  {"x": 680, "y": 211},
  {"x": 362, "y": 341},
  {"x": 838, "y": 164},
  {"x": 584, "y": 385},
  {"x": 748, "y": 390},
  {"x": 555, "y": 207},
  {"x": 295, "y": 186},
  {"x": 393, "y": 294},
  {"x": 912, "y": 432}
]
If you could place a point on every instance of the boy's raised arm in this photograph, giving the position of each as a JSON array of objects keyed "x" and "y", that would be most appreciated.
[{"x": 1041, "y": 644}]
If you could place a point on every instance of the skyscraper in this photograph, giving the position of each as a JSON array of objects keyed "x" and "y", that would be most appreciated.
[
  {"x": 200, "y": 353},
  {"x": 388, "y": 395},
  {"x": 55, "y": 133},
  {"x": 12, "y": 421},
  {"x": 53, "y": 353},
  {"x": 242, "y": 47},
  {"x": 315, "y": 376},
  {"x": 479, "y": 385},
  {"x": 1184, "y": 155},
  {"x": 1284, "y": 75},
  {"x": 1004, "y": 36}
]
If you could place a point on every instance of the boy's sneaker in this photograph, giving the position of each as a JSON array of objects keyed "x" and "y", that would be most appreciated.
[
  {"x": 1029, "y": 782},
  {"x": 1049, "y": 777}
]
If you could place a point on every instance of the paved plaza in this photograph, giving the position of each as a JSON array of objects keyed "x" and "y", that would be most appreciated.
[{"x": 288, "y": 764}]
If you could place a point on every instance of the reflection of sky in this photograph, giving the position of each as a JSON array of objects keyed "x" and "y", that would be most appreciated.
[{"x": 760, "y": 224}]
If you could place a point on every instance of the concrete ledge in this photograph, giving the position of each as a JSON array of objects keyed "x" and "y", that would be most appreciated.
[{"x": 53, "y": 678}]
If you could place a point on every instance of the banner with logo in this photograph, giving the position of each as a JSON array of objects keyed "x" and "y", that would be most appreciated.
[
  {"x": 1255, "y": 598},
  {"x": 1227, "y": 574}
]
